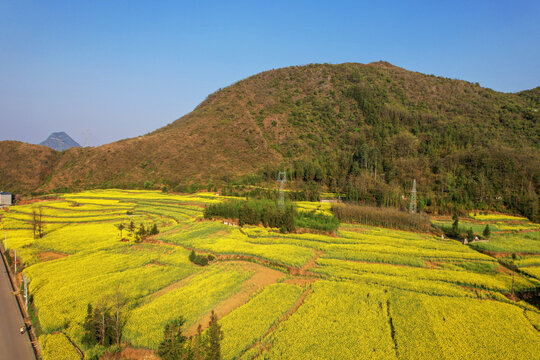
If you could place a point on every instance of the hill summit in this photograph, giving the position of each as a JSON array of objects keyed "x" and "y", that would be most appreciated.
[
  {"x": 362, "y": 130},
  {"x": 60, "y": 141}
]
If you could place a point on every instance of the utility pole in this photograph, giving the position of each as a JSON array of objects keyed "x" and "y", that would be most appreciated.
[
  {"x": 25, "y": 292},
  {"x": 282, "y": 178},
  {"x": 15, "y": 262},
  {"x": 412, "y": 206}
]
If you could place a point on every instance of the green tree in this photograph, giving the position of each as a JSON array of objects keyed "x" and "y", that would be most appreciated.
[
  {"x": 198, "y": 345},
  {"x": 173, "y": 345},
  {"x": 487, "y": 232},
  {"x": 89, "y": 328},
  {"x": 288, "y": 219},
  {"x": 215, "y": 335},
  {"x": 131, "y": 226},
  {"x": 470, "y": 234},
  {"x": 120, "y": 227},
  {"x": 142, "y": 230},
  {"x": 455, "y": 226},
  {"x": 154, "y": 230}
]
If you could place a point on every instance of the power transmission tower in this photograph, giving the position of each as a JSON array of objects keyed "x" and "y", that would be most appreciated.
[
  {"x": 282, "y": 179},
  {"x": 412, "y": 206}
]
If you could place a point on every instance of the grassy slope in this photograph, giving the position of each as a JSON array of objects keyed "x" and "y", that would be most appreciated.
[{"x": 287, "y": 114}]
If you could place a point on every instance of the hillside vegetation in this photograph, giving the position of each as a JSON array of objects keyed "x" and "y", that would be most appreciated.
[{"x": 361, "y": 130}]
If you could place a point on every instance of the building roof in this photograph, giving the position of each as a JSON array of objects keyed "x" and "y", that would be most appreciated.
[{"x": 5, "y": 193}]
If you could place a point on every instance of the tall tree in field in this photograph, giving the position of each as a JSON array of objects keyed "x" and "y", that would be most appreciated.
[
  {"x": 215, "y": 335},
  {"x": 455, "y": 226},
  {"x": 118, "y": 302},
  {"x": 131, "y": 226},
  {"x": 198, "y": 347},
  {"x": 89, "y": 327},
  {"x": 173, "y": 345},
  {"x": 120, "y": 227},
  {"x": 101, "y": 320},
  {"x": 486, "y": 232}
]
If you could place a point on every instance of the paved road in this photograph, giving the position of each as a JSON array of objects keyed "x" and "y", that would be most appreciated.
[{"x": 13, "y": 345}]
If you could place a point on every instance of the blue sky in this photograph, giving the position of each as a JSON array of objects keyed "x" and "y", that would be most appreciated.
[{"x": 103, "y": 70}]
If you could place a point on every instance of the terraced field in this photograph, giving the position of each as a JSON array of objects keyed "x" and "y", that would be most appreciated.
[{"x": 362, "y": 292}]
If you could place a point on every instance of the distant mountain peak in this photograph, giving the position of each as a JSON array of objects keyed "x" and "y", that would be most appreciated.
[{"x": 60, "y": 141}]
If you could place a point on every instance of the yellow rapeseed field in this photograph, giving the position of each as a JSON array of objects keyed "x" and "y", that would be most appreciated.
[{"x": 360, "y": 293}]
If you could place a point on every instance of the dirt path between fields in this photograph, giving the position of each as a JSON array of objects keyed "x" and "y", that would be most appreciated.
[
  {"x": 263, "y": 277},
  {"x": 262, "y": 347}
]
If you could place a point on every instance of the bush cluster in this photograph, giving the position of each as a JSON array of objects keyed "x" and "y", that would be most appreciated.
[
  {"x": 254, "y": 212},
  {"x": 199, "y": 259},
  {"x": 381, "y": 216}
]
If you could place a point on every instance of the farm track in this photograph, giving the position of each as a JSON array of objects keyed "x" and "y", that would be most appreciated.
[
  {"x": 265, "y": 346},
  {"x": 263, "y": 277}
]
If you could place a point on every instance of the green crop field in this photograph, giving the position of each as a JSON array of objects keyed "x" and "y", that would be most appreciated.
[{"x": 360, "y": 292}]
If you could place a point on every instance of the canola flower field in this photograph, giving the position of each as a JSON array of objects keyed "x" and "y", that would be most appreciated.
[{"x": 360, "y": 293}]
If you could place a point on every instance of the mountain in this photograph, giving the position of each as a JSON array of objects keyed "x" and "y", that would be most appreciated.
[
  {"x": 60, "y": 141},
  {"x": 362, "y": 130}
]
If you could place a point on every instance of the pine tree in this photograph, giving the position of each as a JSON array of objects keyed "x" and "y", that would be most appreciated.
[
  {"x": 198, "y": 346},
  {"x": 215, "y": 335},
  {"x": 142, "y": 231},
  {"x": 455, "y": 226},
  {"x": 487, "y": 232},
  {"x": 89, "y": 327},
  {"x": 173, "y": 345}
]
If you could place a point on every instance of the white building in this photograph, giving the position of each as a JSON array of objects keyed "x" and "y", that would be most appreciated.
[{"x": 6, "y": 199}]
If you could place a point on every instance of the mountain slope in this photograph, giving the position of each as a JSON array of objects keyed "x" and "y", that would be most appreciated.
[
  {"x": 362, "y": 129},
  {"x": 59, "y": 141}
]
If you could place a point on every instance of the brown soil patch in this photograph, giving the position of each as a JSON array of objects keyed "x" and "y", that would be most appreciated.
[
  {"x": 263, "y": 277},
  {"x": 311, "y": 263},
  {"x": 129, "y": 353},
  {"x": 300, "y": 281},
  {"x": 51, "y": 255},
  {"x": 502, "y": 269}
]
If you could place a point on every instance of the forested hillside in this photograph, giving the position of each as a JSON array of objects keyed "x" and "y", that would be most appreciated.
[{"x": 362, "y": 130}]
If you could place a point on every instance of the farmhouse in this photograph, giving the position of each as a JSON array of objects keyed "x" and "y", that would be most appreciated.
[{"x": 5, "y": 199}]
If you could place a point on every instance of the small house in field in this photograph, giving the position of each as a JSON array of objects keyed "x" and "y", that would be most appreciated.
[{"x": 6, "y": 199}]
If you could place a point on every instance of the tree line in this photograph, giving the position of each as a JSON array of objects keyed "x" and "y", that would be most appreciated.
[{"x": 202, "y": 346}]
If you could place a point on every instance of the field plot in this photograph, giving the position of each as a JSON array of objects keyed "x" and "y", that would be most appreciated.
[
  {"x": 331, "y": 316},
  {"x": 434, "y": 327},
  {"x": 57, "y": 347},
  {"x": 360, "y": 292},
  {"x": 198, "y": 295},
  {"x": 249, "y": 323}
]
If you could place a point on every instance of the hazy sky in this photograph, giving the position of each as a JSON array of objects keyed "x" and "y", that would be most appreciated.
[{"x": 113, "y": 69}]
